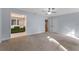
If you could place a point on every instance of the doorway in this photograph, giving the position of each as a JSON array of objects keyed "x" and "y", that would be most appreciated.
[
  {"x": 46, "y": 25},
  {"x": 18, "y": 25}
]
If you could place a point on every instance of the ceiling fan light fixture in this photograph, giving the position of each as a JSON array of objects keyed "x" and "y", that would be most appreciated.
[{"x": 49, "y": 13}]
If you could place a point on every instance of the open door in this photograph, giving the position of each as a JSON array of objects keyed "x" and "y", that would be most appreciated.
[
  {"x": 18, "y": 25},
  {"x": 46, "y": 25}
]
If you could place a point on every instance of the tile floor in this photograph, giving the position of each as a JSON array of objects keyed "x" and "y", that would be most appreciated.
[
  {"x": 15, "y": 35},
  {"x": 41, "y": 42}
]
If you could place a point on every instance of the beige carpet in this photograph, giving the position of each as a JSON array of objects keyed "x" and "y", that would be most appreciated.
[{"x": 41, "y": 42}]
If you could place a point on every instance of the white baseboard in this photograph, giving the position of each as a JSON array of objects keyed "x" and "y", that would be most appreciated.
[
  {"x": 3, "y": 39},
  {"x": 35, "y": 33},
  {"x": 0, "y": 41}
]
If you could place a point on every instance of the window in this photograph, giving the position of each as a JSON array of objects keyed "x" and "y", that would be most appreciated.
[{"x": 13, "y": 22}]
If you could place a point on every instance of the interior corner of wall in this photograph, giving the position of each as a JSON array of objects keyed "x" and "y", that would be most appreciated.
[
  {"x": 3, "y": 39},
  {"x": 0, "y": 41}
]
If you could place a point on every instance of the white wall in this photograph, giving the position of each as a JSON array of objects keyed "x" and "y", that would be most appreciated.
[
  {"x": 0, "y": 23},
  {"x": 5, "y": 24},
  {"x": 65, "y": 24},
  {"x": 35, "y": 23}
]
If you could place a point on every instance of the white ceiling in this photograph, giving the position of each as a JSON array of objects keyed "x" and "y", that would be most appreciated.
[
  {"x": 17, "y": 15},
  {"x": 43, "y": 11}
]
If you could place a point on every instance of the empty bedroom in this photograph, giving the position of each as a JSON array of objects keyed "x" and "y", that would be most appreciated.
[{"x": 39, "y": 29}]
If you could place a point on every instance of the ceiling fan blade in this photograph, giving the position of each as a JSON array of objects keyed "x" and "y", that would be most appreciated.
[
  {"x": 53, "y": 12},
  {"x": 53, "y": 8},
  {"x": 49, "y": 9}
]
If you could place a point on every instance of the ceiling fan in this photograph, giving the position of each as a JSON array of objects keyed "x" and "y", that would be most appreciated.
[{"x": 49, "y": 11}]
